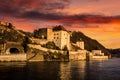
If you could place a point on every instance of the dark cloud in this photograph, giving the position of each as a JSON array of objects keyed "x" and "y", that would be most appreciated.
[
  {"x": 41, "y": 16},
  {"x": 45, "y": 10},
  {"x": 15, "y": 7}
]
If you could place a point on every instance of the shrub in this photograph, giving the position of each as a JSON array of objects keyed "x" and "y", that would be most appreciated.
[{"x": 50, "y": 45}]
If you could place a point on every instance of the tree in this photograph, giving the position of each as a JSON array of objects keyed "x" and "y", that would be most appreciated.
[
  {"x": 10, "y": 25},
  {"x": 65, "y": 48},
  {"x": 25, "y": 42},
  {"x": 51, "y": 45}
]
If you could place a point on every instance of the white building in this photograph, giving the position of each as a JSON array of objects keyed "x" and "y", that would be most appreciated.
[
  {"x": 80, "y": 44},
  {"x": 61, "y": 39},
  {"x": 50, "y": 34},
  {"x": 59, "y": 35}
]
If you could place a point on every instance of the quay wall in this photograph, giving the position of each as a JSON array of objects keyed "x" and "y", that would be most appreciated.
[
  {"x": 99, "y": 57},
  {"x": 77, "y": 55},
  {"x": 13, "y": 57},
  {"x": 35, "y": 57}
]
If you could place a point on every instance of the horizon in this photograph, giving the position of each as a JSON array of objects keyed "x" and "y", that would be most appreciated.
[{"x": 98, "y": 19}]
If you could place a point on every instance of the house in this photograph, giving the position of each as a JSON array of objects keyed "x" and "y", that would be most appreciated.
[
  {"x": 58, "y": 34},
  {"x": 61, "y": 37}
]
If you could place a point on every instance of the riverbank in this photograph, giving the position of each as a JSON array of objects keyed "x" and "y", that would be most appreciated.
[
  {"x": 42, "y": 56},
  {"x": 13, "y": 57}
]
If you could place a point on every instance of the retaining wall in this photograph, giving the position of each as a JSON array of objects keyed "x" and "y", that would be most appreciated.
[
  {"x": 13, "y": 57},
  {"x": 99, "y": 57}
]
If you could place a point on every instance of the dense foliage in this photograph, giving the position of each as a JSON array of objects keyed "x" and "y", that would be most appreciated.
[
  {"x": 25, "y": 42},
  {"x": 59, "y": 27},
  {"x": 11, "y": 35},
  {"x": 50, "y": 45},
  {"x": 40, "y": 32}
]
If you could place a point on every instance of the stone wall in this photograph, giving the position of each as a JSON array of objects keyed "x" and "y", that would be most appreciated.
[
  {"x": 35, "y": 57},
  {"x": 13, "y": 57},
  {"x": 99, "y": 57},
  {"x": 38, "y": 41},
  {"x": 13, "y": 45},
  {"x": 38, "y": 53},
  {"x": 80, "y": 55}
]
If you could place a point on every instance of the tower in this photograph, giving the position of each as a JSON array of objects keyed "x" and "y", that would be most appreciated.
[{"x": 80, "y": 44}]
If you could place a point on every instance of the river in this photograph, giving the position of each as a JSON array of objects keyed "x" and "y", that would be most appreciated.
[{"x": 74, "y": 70}]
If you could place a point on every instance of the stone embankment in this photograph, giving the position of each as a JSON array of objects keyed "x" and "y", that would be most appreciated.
[
  {"x": 13, "y": 57},
  {"x": 38, "y": 53}
]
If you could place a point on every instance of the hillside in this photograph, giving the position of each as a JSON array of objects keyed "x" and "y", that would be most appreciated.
[
  {"x": 9, "y": 33},
  {"x": 90, "y": 44}
]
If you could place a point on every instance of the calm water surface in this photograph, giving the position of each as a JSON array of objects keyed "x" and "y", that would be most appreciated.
[{"x": 75, "y": 70}]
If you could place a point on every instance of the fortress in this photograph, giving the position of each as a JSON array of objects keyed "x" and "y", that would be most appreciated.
[
  {"x": 60, "y": 36},
  {"x": 14, "y": 51}
]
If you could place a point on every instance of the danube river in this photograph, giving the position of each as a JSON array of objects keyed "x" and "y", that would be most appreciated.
[{"x": 74, "y": 70}]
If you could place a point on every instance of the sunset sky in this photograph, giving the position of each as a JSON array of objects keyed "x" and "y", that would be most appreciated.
[{"x": 98, "y": 19}]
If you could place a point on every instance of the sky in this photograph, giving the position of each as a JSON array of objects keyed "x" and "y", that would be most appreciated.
[{"x": 98, "y": 19}]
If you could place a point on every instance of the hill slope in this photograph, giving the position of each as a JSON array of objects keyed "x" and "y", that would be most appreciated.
[
  {"x": 90, "y": 44},
  {"x": 9, "y": 33}
]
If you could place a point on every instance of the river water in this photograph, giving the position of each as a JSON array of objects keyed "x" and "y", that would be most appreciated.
[{"x": 74, "y": 70}]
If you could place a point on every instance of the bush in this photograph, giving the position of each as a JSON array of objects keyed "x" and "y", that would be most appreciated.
[
  {"x": 65, "y": 48},
  {"x": 25, "y": 42},
  {"x": 50, "y": 45}
]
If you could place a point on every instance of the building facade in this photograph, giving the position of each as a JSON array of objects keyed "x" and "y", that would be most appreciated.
[
  {"x": 61, "y": 39},
  {"x": 97, "y": 52},
  {"x": 80, "y": 44}
]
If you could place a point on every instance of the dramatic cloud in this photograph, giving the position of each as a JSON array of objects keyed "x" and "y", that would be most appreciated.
[
  {"x": 45, "y": 10},
  {"x": 17, "y": 8}
]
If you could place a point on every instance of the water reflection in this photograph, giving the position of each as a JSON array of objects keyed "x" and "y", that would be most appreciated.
[
  {"x": 65, "y": 71},
  {"x": 75, "y": 70}
]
